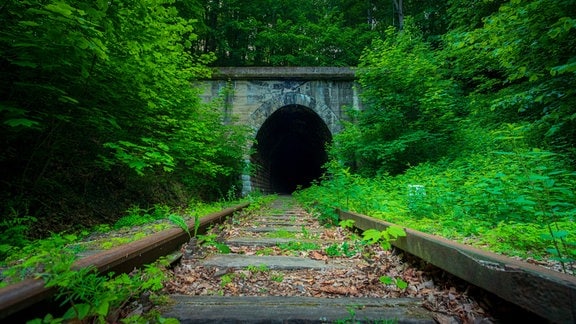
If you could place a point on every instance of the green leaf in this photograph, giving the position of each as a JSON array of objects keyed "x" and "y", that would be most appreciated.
[
  {"x": 22, "y": 122},
  {"x": 396, "y": 231},
  {"x": 521, "y": 200},
  {"x": 138, "y": 166},
  {"x": 347, "y": 223},
  {"x": 68, "y": 99},
  {"x": 401, "y": 284},
  {"x": 60, "y": 7},
  {"x": 222, "y": 248},
  {"x": 371, "y": 236},
  {"x": 386, "y": 280},
  {"x": 553, "y": 251},
  {"x": 102, "y": 308},
  {"x": 28, "y": 23},
  {"x": 78, "y": 311},
  {"x": 180, "y": 222},
  {"x": 83, "y": 310},
  {"x": 537, "y": 177},
  {"x": 560, "y": 234},
  {"x": 565, "y": 68},
  {"x": 547, "y": 237}
]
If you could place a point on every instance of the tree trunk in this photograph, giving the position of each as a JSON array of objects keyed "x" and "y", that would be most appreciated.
[{"x": 398, "y": 8}]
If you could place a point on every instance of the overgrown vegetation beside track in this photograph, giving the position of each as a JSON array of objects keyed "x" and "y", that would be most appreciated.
[
  {"x": 499, "y": 205},
  {"x": 90, "y": 296},
  {"x": 469, "y": 135}
]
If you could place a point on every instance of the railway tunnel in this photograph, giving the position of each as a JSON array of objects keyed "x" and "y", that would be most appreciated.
[{"x": 290, "y": 150}]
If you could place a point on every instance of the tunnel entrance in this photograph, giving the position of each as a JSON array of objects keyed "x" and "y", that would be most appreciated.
[{"x": 290, "y": 150}]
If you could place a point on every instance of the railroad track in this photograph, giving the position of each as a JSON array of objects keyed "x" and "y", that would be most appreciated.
[
  {"x": 549, "y": 295},
  {"x": 29, "y": 298}
]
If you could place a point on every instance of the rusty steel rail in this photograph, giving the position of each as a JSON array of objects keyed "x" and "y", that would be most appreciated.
[
  {"x": 547, "y": 293},
  {"x": 125, "y": 258}
]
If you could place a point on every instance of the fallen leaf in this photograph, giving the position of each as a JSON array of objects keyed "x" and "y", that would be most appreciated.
[{"x": 316, "y": 255}]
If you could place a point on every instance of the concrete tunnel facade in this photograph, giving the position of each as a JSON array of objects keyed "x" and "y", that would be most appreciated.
[{"x": 293, "y": 113}]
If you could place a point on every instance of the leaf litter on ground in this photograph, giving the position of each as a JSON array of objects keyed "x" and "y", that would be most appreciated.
[{"x": 450, "y": 299}]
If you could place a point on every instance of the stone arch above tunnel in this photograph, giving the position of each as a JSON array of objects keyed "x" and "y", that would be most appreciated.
[
  {"x": 289, "y": 150},
  {"x": 260, "y": 115}
]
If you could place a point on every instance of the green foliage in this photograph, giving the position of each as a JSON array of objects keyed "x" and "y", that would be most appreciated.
[
  {"x": 342, "y": 249},
  {"x": 410, "y": 109},
  {"x": 265, "y": 251},
  {"x": 14, "y": 232},
  {"x": 299, "y": 246},
  {"x": 277, "y": 277},
  {"x": 211, "y": 240},
  {"x": 258, "y": 268},
  {"x": 258, "y": 201},
  {"x": 500, "y": 194},
  {"x": 99, "y": 298},
  {"x": 281, "y": 233},
  {"x": 96, "y": 94},
  {"x": 296, "y": 33},
  {"x": 347, "y": 223},
  {"x": 384, "y": 237},
  {"x": 138, "y": 216},
  {"x": 226, "y": 279},
  {"x": 52, "y": 255},
  {"x": 473, "y": 138},
  {"x": 117, "y": 241},
  {"x": 287, "y": 33},
  {"x": 138, "y": 157},
  {"x": 180, "y": 222},
  {"x": 525, "y": 53},
  {"x": 196, "y": 224},
  {"x": 401, "y": 284}
]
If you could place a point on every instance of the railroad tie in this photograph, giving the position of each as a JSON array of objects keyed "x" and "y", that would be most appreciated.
[{"x": 235, "y": 287}]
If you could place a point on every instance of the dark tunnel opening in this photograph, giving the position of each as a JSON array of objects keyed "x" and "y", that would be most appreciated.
[{"x": 290, "y": 150}]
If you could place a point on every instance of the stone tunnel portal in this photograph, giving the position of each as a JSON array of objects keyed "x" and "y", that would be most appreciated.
[{"x": 290, "y": 150}]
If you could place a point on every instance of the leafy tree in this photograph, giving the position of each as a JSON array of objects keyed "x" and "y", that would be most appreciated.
[
  {"x": 525, "y": 52},
  {"x": 409, "y": 110},
  {"x": 97, "y": 94},
  {"x": 301, "y": 33},
  {"x": 465, "y": 15},
  {"x": 284, "y": 33}
]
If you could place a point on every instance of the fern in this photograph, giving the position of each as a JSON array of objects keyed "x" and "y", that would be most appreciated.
[{"x": 180, "y": 222}]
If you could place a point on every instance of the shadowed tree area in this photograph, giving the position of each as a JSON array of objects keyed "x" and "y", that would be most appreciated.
[
  {"x": 97, "y": 113},
  {"x": 301, "y": 33}
]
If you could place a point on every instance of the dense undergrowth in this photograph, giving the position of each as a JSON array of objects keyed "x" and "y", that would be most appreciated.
[
  {"x": 23, "y": 258},
  {"x": 92, "y": 297},
  {"x": 500, "y": 196},
  {"x": 470, "y": 134}
]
